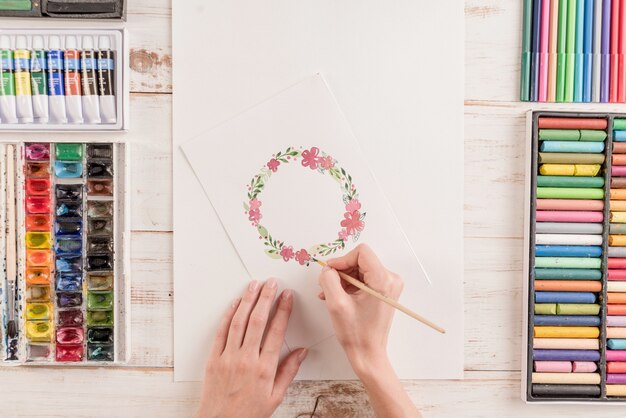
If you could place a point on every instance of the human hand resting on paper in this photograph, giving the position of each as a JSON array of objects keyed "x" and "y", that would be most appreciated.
[
  {"x": 362, "y": 325},
  {"x": 243, "y": 376}
]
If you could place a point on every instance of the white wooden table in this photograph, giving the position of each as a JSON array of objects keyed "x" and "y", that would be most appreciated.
[{"x": 494, "y": 167}]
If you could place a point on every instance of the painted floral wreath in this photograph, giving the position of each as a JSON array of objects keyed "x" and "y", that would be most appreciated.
[{"x": 353, "y": 219}]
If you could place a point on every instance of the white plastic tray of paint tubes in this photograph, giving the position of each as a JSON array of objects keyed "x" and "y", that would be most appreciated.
[
  {"x": 71, "y": 290},
  {"x": 63, "y": 79}
]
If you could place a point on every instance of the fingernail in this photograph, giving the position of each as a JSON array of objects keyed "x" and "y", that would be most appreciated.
[
  {"x": 271, "y": 283},
  {"x": 235, "y": 303},
  {"x": 302, "y": 354},
  {"x": 287, "y": 295},
  {"x": 253, "y": 286},
  {"x": 326, "y": 268}
]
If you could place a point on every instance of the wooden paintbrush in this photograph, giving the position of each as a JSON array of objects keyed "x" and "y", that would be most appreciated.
[
  {"x": 362, "y": 286},
  {"x": 11, "y": 251}
]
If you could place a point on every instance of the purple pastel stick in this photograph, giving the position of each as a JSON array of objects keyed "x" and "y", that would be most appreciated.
[
  {"x": 616, "y": 321},
  {"x": 613, "y": 355},
  {"x": 605, "y": 49},
  {"x": 567, "y": 355},
  {"x": 616, "y": 379}
]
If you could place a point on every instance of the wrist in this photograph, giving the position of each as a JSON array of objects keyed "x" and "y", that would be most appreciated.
[{"x": 370, "y": 365}]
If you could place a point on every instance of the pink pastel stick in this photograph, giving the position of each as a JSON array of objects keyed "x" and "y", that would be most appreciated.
[
  {"x": 618, "y": 379},
  {"x": 544, "y": 39},
  {"x": 584, "y": 367},
  {"x": 569, "y": 204},
  {"x": 615, "y": 355},
  {"x": 568, "y": 216},
  {"x": 553, "y": 366},
  {"x": 616, "y": 321},
  {"x": 615, "y": 274},
  {"x": 618, "y": 170}
]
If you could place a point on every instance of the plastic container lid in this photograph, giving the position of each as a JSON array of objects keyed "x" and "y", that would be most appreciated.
[
  {"x": 5, "y": 42},
  {"x": 104, "y": 42},
  {"x": 38, "y": 43},
  {"x": 21, "y": 42},
  {"x": 87, "y": 43},
  {"x": 54, "y": 42},
  {"x": 70, "y": 42}
]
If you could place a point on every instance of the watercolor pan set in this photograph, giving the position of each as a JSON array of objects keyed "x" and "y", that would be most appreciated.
[
  {"x": 66, "y": 286},
  {"x": 66, "y": 9},
  {"x": 575, "y": 258},
  {"x": 62, "y": 79}
]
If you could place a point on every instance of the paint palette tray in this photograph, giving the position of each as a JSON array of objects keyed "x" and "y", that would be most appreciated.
[
  {"x": 63, "y": 80},
  {"x": 65, "y": 9},
  {"x": 575, "y": 259},
  {"x": 72, "y": 298}
]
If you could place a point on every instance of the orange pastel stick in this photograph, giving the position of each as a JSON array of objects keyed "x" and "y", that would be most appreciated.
[
  {"x": 568, "y": 285},
  {"x": 618, "y": 194},
  {"x": 616, "y": 367},
  {"x": 615, "y": 297},
  {"x": 616, "y": 309}
]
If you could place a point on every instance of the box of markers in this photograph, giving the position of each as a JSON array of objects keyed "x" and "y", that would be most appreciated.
[
  {"x": 63, "y": 79},
  {"x": 574, "y": 303},
  {"x": 64, "y": 253},
  {"x": 64, "y": 9}
]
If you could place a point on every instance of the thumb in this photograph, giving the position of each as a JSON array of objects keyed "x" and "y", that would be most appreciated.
[
  {"x": 287, "y": 371},
  {"x": 330, "y": 282}
]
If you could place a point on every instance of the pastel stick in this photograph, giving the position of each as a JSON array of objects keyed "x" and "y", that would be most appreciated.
[
  {"x": 567, "y": 274},
  {"x": 566, "y": 390},
  {"x": 566, "y": 355},
  {"x": 567, "y": 251},
  {"x": 568, "y": 320},
  {"x": 617, "y": 344},
  {"x": 572, "y": 146},
  {"x": 567, "y": 378},
  {"x": 569, "y": 228}
]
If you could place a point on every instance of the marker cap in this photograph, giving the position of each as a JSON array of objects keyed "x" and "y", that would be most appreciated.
[
  {"x": 38, "y": 42},
  {"x": 87, "y": 43},
  {"x": 70, "y": 42},
  {"x": 21, "y": 42},
  {"x": 104, "y": 42},
  {"x": 54, "y": 42}
]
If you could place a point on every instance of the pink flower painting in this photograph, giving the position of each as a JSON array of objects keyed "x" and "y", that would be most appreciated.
[
  {"x": 287, "y": 253},
  {"x": 302, "y": 257},
  {"x": 310, "y": 158},
  {"x": 352, "y": 222},
  {"x": 353, "y": 205},
  {"x": 273, "y": 164},
  {"x": 326, "y": 162}
]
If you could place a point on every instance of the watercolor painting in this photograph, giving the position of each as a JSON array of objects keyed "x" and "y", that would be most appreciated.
[{"x": 351, "y": 225}]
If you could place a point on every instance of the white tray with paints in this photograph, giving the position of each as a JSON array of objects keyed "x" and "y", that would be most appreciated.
[
  {"x": 63, "y": 79},
  {"x": 68, "y": 302}
]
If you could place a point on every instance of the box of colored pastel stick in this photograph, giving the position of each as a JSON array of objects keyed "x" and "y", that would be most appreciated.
[
  {"x": 65, "y": 282},
  {"x": 64, "y": 80},
  {"x": 65, "y": 9},
  {"x": 575, "y": 259}
]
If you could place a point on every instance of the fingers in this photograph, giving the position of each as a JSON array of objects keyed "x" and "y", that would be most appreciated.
[
  {"x": 270, "y": 352},
  {"x": 259, "y": 316},
  {"x": 330, "y": 282},
  {"x": 221, "y": 336},
  {"x": 362, "y": 257},
  {"x": 239, "y": 322},
  {"x": 287, "y": 372}
]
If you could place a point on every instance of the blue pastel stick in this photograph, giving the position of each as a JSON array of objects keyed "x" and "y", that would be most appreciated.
[
  {"x": 588, "y": 51},
  {"x": 565, "y": 297},
  {"x": 579, "y": 57},
  {"x": 535, "y": 49},
  {"x": 566, "y": 355},
  {"x": 572, "y": 146},
  {"x": 617, "y": 344},
  {"x": 568, "y": 251},
  {"x": 567, "y": 320},
  {"x": 567, "y": 274},
  {"x": 619, "y": 136}
]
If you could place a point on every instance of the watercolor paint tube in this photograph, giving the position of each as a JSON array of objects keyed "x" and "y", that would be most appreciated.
[
  {"x": 39, "y": 80},
  {"x": 566, "y": 343},
  {"x": 106, "y": 80},
  {"x": 562, "y": 390},
  {"x": 8, "y": 111},
  {"x": 89, "y": 69},
  {"x": 23, "y": 91},
  {"x": 56, "y": 82},
  {"x": 73, "y": 100}
]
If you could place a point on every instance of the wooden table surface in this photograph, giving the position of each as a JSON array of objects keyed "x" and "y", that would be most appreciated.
[{"x": 494, "y": 173}]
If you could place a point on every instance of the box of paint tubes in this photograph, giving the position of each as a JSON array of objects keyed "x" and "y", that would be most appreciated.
[
  {"x": 65, "y": 9},
  {"x": 63, "y": 80},
  {"x": 65, "y": 284},
  {"x": 574, "y": 302}
]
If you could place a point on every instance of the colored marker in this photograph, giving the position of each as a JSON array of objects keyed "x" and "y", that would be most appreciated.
[
  {"x": 526, "y": 55},
  {"x": 106, "y": 80},
  {"x": 73, "y": 100},
  {"x": 8, "y": 113},
  {"x": 570, "y": 55},
  {"x": 39, "y": 80},
  {"x": 543, "y": 50},
  {"x": 605, "y": 71},
  {"x": 580, "y": 39},
  {"x": 23, "y": 92},
  {"x": 597, "y": 50},
  {"x": 56, "y": 84},
  {"x": 621, "y": 83},
  {"x": 613, "y": 84},
  {"x": 561, "y": 50},
  {"x": 89, "y": 67},
  {"x": 552, "y": 50},
  {"x": 535, "y": 48},
  {"x": 588, "y": 52}
]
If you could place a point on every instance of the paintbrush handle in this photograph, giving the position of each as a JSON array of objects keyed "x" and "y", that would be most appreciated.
[{"x": 362, "y": 286}]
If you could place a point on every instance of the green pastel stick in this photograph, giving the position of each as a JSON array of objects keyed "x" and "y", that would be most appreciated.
[
  {"x": 559, "y": 134},
  {"x": 569, "y": 181},
  {"x": 619, "y": 124},
  {"x": 577, "y": 309},
  {"x": 618, "y": 229},
  {"x": 568, "y": 262},
  {"x": 526, "y": 35},
  {"x": 567, "y": 274},
  {"x": 569, "y": 193},
  {"x": 545, "y": 308},
  {"x": 570, "y": 158},
  {"x": 561, "y": 48},
  {"x": 22, "y": 5},
  {"x": 570, "y": 50},
  {"x": 592, "y": 135}
]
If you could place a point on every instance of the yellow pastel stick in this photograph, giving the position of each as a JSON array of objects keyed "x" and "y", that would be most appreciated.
[
  {"x": 567, "y": 378},
  {"x": 615, "y": 390},
  {"x": 619, "y": 217},
  {"x": 618, "y": 205},
  {"x": 589, "y": 170},
  {"x": 567, "y": 332},
  {"x": 617, "y": 240}
]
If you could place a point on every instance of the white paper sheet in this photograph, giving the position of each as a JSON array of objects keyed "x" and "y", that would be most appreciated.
[{"x": 374, "y": 58}]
